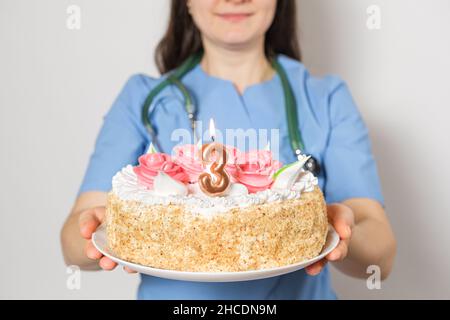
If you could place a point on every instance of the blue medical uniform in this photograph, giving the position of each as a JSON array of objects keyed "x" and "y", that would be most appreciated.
[{"x": 333, "y": 132}]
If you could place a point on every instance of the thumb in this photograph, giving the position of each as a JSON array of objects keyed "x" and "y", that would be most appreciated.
[
  {"x": 342, "y": 219},
  {"x": 89, "y": 221}
]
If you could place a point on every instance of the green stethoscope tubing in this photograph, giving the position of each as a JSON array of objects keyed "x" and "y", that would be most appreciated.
[{"x": 174, "y": 78}]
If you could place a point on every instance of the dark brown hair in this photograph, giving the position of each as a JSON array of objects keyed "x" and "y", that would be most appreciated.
[{"x": 182, "y": 37}]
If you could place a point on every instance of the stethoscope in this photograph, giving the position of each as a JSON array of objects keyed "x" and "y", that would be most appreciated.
[{"x": 174, "y": 78}]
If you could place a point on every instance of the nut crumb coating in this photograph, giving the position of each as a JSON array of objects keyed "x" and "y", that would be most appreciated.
[{"x": 249, "y": 238}]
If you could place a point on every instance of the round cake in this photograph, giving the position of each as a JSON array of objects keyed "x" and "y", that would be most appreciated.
[{"x": 247, "y": 212}]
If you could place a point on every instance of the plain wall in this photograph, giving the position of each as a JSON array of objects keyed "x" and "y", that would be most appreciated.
[{"x": 56, "y": 84}]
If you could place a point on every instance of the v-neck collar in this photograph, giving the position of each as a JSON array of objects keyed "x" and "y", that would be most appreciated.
[
  {"x": 204, "y": 75},
  {"x": 211, "y": 92}
]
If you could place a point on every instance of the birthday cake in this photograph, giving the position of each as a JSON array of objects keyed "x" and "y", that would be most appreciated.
[{"x": 215, "y": 209}]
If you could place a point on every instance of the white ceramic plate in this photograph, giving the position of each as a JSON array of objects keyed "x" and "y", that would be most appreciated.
[{"x": 100, "y": 242}]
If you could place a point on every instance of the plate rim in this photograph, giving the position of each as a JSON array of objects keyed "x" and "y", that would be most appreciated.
[{"x": 178, "y": 275}]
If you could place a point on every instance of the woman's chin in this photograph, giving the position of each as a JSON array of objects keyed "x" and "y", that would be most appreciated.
[{"x": 236, "y": 41}]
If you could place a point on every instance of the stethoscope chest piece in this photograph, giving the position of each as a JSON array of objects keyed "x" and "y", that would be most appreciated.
[{"x": 313, "y": 166}]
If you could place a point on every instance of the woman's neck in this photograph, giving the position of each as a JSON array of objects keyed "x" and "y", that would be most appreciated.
[{"x": 242, "y": 66}]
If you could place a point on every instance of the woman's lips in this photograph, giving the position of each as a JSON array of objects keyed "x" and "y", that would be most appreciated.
[{"x": 234, "y": 17}]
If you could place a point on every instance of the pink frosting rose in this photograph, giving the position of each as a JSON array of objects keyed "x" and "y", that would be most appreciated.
[
  {"x": 187, "y": 157},
  {"x": 151, "y": 163},
  {"x": 255, "y": 170}
]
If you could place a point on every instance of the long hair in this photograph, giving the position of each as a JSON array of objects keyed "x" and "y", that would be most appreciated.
[{"x": 182, "y": 37}]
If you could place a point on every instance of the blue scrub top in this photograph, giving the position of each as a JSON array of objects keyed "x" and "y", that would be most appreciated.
[{"x": 333, "y": 132}]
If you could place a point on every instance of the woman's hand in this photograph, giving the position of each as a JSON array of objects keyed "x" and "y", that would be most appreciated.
[
  {"x": 342, "y": 219},
  {"x": 89, "y": 221}
]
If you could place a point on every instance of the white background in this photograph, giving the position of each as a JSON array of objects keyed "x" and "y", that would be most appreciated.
[{"x": 56, "y": 84}]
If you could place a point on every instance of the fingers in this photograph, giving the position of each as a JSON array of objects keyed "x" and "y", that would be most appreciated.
[
  {"x": 91, "y": 251},
  {"x": 89, "y": 221},
  {"x": 104, "y": 262},
  {"x": 341, "y": 217},
  {"x": 339, "y": 253},
  {"x": 107, "y": 264},
  {"x": 316, "y": 268},
  {"x": 129, "y": 270}
]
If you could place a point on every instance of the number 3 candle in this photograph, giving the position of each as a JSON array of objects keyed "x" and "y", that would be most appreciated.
[{"x": 215, "y": 181}]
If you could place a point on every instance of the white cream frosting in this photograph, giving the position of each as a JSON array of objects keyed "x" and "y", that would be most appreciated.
[
  {"x": 125, "y": 185},
  {"x": 165, "y": 185}
]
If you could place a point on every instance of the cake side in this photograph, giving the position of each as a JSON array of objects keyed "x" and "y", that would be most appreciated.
[{"x": 254, "y": 237}]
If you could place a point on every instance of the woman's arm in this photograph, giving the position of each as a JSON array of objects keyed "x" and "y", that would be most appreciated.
[
  {"x": 372, "y": 241},
  {"x": 366, "y": 238},
  {"x": 87, "y": 214}
]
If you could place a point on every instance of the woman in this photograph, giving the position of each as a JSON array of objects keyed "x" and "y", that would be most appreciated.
[{"x": 236, "y": 85}]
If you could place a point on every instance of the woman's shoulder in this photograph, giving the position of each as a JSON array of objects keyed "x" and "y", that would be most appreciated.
[
  {"x": 325, "y": 95},
  {"x": 316, "y": 85},
  {"x": 140, "y": 83},
  {"x": 135, "y": 90}
]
